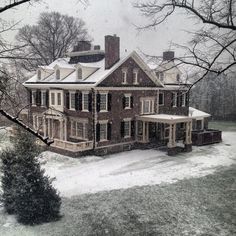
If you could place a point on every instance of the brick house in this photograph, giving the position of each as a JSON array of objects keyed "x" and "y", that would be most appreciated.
[{"x": 96, "y": 101}]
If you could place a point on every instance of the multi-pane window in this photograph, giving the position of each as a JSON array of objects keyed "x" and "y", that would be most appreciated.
[
  {"x": 124, "y": 76},
  {"x": 147, "y": 106},
  {"x": 52, "y": 98},
  {"x": 72, "y": 100},
  {"x": 161, "y": 98},
  {"x": 39, "y": 74},
  {"x": 58, "y": 74},
  {"x": 43, "y": 98},
  {"x": 34, "y": 94},
  {"x": 135, "y": 76},
  {"x": 127, "y": 101},
  {"x": 79, "y": 73},
  {"x": 79, "y": 129},
  {"x": 103, "y": 131},
  {"x": 127, "y": 128},
  {"x": 59, "y": 99},
  {"x": 85, "y": 101},
  {"x": 103, "y": 102},
  {"x": 174, "y": 99}
]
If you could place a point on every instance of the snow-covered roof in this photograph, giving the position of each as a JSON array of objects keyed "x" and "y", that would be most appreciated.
[
  {"x": 95, "y": 76},
  {"x": 196, "y": 114},
  {"x": 164, "y": 118}
]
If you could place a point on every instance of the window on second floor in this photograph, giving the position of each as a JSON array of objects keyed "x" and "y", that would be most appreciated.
[
  {"x": 39, "y": 74},
  {"x": 34, "y": 94},
  {"x": 127, "y": 101},
  {"x": 43, "y": 98},
  {"x": 174, "y": 99},
  {"x": 85, "y": 104},
  {"x": 161, "y": 99},
  {"x": 72, "y": 100},
  {"x": 103, "y": 101},
  {"x": 59, "y": 99},
  {"x": 147, "y": 106},
  {"x": 53, "y": 99}
]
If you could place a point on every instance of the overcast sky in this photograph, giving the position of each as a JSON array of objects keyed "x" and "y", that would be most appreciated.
[{"x": 104, "y": 17}]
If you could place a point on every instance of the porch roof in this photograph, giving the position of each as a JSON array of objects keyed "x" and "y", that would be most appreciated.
[{"x": 164, "y": 118}]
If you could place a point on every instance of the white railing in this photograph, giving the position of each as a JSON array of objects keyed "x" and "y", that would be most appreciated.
[{"x": 73, "y": 147}]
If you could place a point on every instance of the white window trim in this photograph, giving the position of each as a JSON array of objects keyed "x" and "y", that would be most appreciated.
[
  {"x": 175, "y": 99},
  {"x": 124, "y": 72},
  {"x": 72, "y": 92},
  {"x": 151, "y": 106},
  {"x": 128, "y": 96},
  {"x": 58, "y": 99},
  {"x": 104, "y": 93},
  {"x": 43, "y": 92},
  {"x": 162, "y": 99},
  {"x": 82, "y": 121},
  {"x": 129, "y": 121},
  {"x": 85, "y": 93},
  {"x": 183, "y": 99},
  {"x": 33, "y": 98},
  {"x": 103, "y": 122},
  {"x": 135, "y": 76},
  {"x": 51, "y": 99}
]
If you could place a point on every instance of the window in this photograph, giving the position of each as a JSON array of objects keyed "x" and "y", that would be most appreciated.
[
  {"x": 124, "y": 76},
  {"x": 127, "y": 101},
  {"x": 161, "y": 76},
  {"x": 103, "y": 102},
  {"x": 147, "y": 106},
  {"x": 127, "y": 129},
  {"x": 34, "y": 94},
  {"x": 79, "y": 129},
  {"x": 178, "y": 78},
  {"x": 59, "y": 99},
  {"x": 103, "y": 131},
  {"x": 135, "y": 76},
  {"x": 72, "y": 100},
  {"x": 52, "y": 98},
  {"x": 174, "y": 99},
  {"x": 58, "y": 74},
  {"x": 79, "y": 73},
  {"x": 183, "y": 99},
  {"x": 43, "y": 98},
  {"x": 39, "y": 74},
  {"x": 161, "y": 99},
  {"x": 85, "y": 102}
]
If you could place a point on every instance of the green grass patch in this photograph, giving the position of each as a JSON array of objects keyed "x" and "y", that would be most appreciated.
[
  {"x": 223, "y": 125},
  {"x": 197, "y": 206}
]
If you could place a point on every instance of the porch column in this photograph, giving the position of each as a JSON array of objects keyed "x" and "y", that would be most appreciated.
[
  {"x": 49, "y": 132},
  {"x": 174, "y": 135},
  {"x": 188, "y": 138},
  {"x": 144, "y": 131},
  {"x": 170, "y": 143},
  {"x": 61, "y": 129},
  {"x": 147, "y": 131},
  {"x": 65, "y": 129},
  {"x": 44, "y": 127}
]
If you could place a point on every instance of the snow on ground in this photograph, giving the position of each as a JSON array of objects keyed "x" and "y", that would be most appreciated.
[{"x": 138, "y": 167}]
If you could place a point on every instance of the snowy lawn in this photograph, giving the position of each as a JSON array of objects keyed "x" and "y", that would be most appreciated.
[{"x": 136, "y": 168}]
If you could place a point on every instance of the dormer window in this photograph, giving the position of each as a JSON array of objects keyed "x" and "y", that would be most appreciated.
[
  {"x": 79, "y": 73},
  {"x": 161, "y": 76},
  {"x": 178, "y": 78},
  {"x": 39, "y": 74},
  {"x": 124, "y": 76},
  {"x": 135, "y": 76},
  {"x": 58, "y": 74}
]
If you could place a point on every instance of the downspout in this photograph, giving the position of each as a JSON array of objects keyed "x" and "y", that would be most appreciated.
[{"x": 94, "y": 115}]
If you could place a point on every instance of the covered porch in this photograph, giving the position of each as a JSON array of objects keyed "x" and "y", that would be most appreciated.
[
  {"x": 165, "y": 129},
  {"x": 55, "y": 126}
]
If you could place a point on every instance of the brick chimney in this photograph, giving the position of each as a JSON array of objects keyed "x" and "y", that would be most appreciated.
[
  {"x": 112, "y": 50},
  {"x": 168, "y": 55}
]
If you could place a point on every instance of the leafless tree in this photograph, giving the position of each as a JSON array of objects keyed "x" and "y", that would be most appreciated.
[
  {"x": 52, "y": 36},
  {"x": 212, "y": 48}
]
